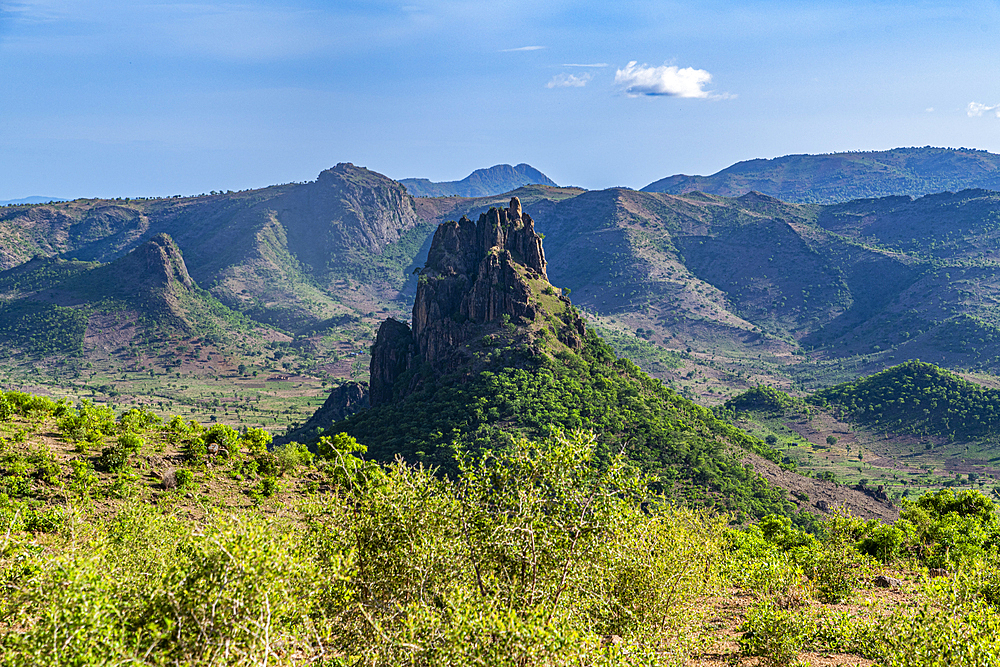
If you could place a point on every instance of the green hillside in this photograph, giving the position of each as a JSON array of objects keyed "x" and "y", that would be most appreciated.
[
  {"x": 225, "y": 552},
  {"x": 495, "y": 353},
  {"x": 918, "y": 398},
  {"x": 752, "y": 289},
  {"x": 47, "y": 304},
  {"x": 290, "y": 256},
  {"x": 693, "y": 455}
]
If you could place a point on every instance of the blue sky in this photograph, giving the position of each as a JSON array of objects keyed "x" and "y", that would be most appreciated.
[{"x": 138, "y": 98}]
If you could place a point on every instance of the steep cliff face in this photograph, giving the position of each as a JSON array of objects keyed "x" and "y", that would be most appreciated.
[
  {"x": 476, "y": 273},
  {"x": 347, "y": 210},
  {"x": 342, "y": 402},
  {"x": 392, "y": 355}
]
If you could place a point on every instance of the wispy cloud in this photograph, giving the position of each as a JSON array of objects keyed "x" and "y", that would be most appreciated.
[
  {"x": 667, "y": 80},
  {"x": 978, "y": 109},
  {"x": 523, "y": 48},
  {"x": 569, "y": 80},
  {"x": 584, "y": 65}
]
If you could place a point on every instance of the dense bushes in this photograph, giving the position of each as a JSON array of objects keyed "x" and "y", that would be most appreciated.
[
  {"x": 534, "y": 557},
  {"x": 683, "y": 445},
  {"x": 542, "y": 553}
]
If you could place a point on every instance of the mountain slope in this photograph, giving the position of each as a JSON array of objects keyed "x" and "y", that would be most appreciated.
[
  {"x": 495, "y": 180},
  {"x": 494, "y": 351},
  {"x": 292, "y": 255},
  {"x": 53, "y": 306},
  {"x": 837, "y": 177}
]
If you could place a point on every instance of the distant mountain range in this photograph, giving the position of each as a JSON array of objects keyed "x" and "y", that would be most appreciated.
[
  {"x": 838, "y": 177},
  {"x": 30, "y": 200},
  {"x": 764, "y": 289},
  {"x": 480, "y": 183}
]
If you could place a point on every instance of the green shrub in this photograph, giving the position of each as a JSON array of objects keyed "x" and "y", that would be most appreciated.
[
  {"x": 138, "y": 420},
  {"x": 947, "y": 629},
  {"x": 184, "y": 478},
  {"x": 256, "y": 440},
  {"x": 113, "y": 458},
  {"x": 951, "y": 528},
  {"x": 89, "y": 424},
  {"x": 82, "y": 477},
  {"x": 774, "y": 634},
  {"x": 267, "y": 487},
  {"x": 130, "y": 443},
  {"x": 44, "y": 519},
  {"x": 291, "y": 456}
]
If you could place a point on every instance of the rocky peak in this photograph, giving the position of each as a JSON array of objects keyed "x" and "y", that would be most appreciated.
[
  {"x": 476, "y": 274},
  {"x": 346, "y": 210},
  {"x": 162, "y": 261}
]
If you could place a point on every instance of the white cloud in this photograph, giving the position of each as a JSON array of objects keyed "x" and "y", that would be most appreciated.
[
  {"x": 977, "y": 109},
  {"x": 569, "y": 80},
  {"x": 523, "y": 48},
  {"x": 590, "y": 65},
  {"x": 669, "y": 80}
]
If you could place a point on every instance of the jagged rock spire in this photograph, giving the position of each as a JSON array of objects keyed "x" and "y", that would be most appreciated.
[{"x": 475, "y": 274}]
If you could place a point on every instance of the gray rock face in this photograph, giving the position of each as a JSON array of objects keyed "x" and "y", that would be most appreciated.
[
  {"x": 392, "y": 355},
  {"x": 476, "y": 273},
  {"x": 342, "y": 402},
  {"x": 882, "y": 581}
]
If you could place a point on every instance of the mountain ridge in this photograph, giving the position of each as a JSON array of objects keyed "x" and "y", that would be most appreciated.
[
  {"x": 837, "y": 177},
  {"x": 495, "y": 180}
]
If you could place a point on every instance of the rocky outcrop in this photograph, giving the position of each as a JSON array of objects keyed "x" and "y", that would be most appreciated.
[
  {"x": 153, "y": 279},
  {"x": 392, "y": 355},
  {"x": 342, "y": 402},
  {"x": 476, "y": 273},
  {"x": 162, "y": 261}
]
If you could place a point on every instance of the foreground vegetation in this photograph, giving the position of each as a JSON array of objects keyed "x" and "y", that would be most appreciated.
[{"x": 124, "y": 539}]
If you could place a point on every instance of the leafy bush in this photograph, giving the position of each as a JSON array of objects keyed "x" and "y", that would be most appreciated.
[
  {"x": 256, "y": 440},
  {"x": 949, "y": 528},
  {"x": 291, "y": 456},
  {"x": 776, "y": 635},
  {"x": 184, "y": 478},
  {"x": 138, "y": 420},
  {"x": 113, "y": 458},
  {"x": 89, "y": 424}
]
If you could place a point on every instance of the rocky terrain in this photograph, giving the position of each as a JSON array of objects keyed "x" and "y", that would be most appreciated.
[{"x": 485, "y": 286}]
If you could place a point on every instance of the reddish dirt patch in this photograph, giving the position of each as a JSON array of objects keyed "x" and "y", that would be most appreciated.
[{"x": 821, "y": 494}]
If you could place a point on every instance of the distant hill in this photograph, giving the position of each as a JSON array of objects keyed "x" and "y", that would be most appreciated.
[
  {"x": 30, "y": 200},
  {"x": 838, "y": 177},
  {"x": 48, "y": 305},
  {"x": 480, "y": 183}
]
